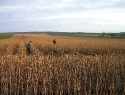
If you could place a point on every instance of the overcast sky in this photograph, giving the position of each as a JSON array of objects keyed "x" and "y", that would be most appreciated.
[{"x": 62, "y": 15}]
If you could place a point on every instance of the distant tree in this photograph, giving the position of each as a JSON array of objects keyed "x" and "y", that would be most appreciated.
[
  {"x": 122, "y": 35},
  {"x": 103, "y": 34},
  {"x": 113, "y": 35}
]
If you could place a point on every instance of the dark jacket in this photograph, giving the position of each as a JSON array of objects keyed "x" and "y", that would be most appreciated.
[
  {"x": 28, "y": 45},
  {"x": 54, "y": 41}
]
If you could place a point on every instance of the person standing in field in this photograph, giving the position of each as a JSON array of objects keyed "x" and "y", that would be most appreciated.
[
  {"x": 54, "y": 41},
  {"x": 28, "y": 47}
]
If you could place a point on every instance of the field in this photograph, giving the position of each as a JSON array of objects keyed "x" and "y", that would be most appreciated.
[
  {"x": 85, "y": 35},
  {"x": 72, "y": 66},
  {"x": 4, "y": 36},
  {"x": 91, "y": 35}
]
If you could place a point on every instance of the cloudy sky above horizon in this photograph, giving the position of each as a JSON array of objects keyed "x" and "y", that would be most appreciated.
[{"x": 62, "y": 15}]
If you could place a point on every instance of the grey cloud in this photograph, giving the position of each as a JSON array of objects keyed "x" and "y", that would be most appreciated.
[
  {"x": 119, "y": 4},
  {"x": 67, "y": 15}
]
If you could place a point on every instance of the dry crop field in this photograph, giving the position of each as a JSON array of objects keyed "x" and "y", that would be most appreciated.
[{"x": 74, "y": 66}]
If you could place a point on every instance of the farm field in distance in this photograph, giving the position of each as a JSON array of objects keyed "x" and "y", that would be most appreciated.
[
  {"x": 72, "y": 66},
  {"x": 5, "y": 36},
  {"x": 90, "y": 35}
]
